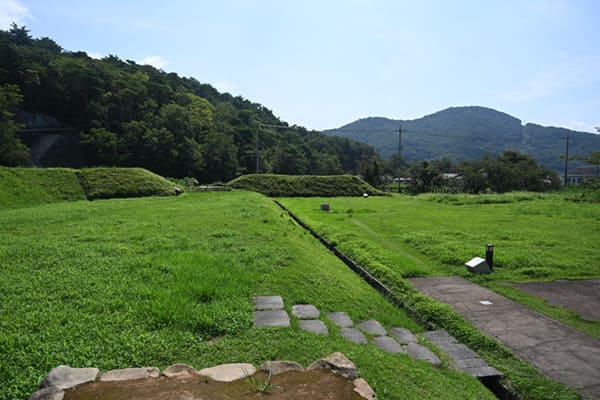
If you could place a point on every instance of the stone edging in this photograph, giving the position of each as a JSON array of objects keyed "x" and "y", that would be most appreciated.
[{"x": 64, "y": 377}]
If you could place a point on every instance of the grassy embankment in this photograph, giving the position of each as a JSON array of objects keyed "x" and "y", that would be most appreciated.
[
  {"x": 154, "y": 281},
  {"x": 304, "y": 185},
  {"x": 536, "y": 236},
  {"x": 24, "y": 187}
]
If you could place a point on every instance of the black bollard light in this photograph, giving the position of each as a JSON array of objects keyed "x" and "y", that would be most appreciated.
[{"x": 489, "y": 255}]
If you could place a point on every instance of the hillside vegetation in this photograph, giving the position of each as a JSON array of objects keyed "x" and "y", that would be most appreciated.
[
  {"x": 22, "y": 187},
  {"x": 156, "y": 281},
  {"x": 111, "y": 112},
  {"x": 467, "y": 133},
  {"x": 304, "y": 185}
]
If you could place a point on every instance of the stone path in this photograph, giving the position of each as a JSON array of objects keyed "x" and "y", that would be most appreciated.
[
  {"x": 557, "y": 350},
  {"x": 464, "y": 358},
  {"x": 268, "y": 311}
]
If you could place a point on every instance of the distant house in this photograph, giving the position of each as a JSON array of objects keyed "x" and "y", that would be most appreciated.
[{"x": 576, "y": 175}]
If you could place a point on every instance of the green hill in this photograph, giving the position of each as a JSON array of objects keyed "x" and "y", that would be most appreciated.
[
  {"x": 304, "y": 185},
  {"x": 84, "y": 112},
  {"x": 24, "y": 187},
  {"x": 467, "y": 133}
]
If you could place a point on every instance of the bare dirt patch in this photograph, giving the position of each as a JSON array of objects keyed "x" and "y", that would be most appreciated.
[{"x": 314, "y": 384}]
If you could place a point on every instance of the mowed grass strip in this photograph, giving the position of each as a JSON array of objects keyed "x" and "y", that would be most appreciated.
[
  {"x": 536, "y": 237},
  {"x": 155, "y": 281}
]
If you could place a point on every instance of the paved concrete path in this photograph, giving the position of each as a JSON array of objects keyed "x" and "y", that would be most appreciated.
[
  {"x": 557, "y": 350},
  {"x": 581, "y": 296}
]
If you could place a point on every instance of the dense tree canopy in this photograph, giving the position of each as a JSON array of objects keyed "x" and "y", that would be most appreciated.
[
  {"x": 12, "y": 151},
  {"x": 506, "y": 172},
  {"x": 125, "y": 114}
]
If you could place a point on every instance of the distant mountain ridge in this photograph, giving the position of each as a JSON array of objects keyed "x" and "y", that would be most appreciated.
[{"x": 467, "y": 133}]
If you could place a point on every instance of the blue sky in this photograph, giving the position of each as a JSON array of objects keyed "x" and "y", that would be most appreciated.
[{"x": 322, "y": 64}]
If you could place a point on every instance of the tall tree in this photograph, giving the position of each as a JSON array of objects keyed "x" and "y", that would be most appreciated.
[{"x": 12, "y": 151}]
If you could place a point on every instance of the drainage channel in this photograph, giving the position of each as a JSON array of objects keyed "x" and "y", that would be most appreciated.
[{"x": 492, "y": 384}]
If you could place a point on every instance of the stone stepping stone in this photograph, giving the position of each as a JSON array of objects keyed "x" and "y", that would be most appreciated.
[
  {"x": 314, "y": 325},
  {"x": 373, "y": 327},
  {"x": 403, "y": 335},
  {"x": 354, "y": 335},
  {"x": 271, "y": 318},
  {"x": 418, "y": 352},
  {"x": 388, "y": 344},
  {"x": 341, "y": 319},
  {"x": 305, "y": 311},
  {"x": 268, "y": 303},
  {"x": 439, "y": 337}
]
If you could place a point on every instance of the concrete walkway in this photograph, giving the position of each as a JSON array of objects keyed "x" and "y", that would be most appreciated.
[{"x": 557, "y": 350}]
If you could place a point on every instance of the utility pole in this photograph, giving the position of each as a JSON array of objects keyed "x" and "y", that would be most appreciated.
[
  {"x": 399, "y": 142},
  {"x": 566, "y": 176},
  {"x": 257, "y": 152}
]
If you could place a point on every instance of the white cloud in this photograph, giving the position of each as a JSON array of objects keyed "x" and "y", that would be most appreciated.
[
  {"x": 12, "y": 11},
  {"x": 94, "y": 55},
  {"x": 155, "y": 61},
  {"x": 556, "y": 78}
]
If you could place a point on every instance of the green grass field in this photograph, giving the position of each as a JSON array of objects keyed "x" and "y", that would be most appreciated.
[
  {"x": 154, "y": 281},
  {"x": 536, "y": 237}
]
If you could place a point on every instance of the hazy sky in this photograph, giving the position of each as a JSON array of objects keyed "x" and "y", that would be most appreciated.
[{"x": 322, "y": 64}]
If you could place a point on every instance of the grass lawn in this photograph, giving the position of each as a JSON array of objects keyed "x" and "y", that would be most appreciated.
[
  {"x": 155, "y": 281},
  {"x": 536, "y": 237}
]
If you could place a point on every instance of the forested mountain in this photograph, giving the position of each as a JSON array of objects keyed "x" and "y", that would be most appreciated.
[
  {"x": 87, "y": 112},
  {"x": 467, "y": 133}
]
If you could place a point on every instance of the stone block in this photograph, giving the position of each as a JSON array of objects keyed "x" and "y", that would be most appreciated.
[
  {"x": 65, "y": 377},
  {"x": 314, "y": 326},
  {"x": 271, "y": 318},
  {"x": 278, "y": 367},
  {"x": 483, "y": 372},
  {"x": 341, "y": 319},
  {"x": 363, "y": 389},
  {"x": 403, "y": 335},
  {"x": 179, "y": 370},
  {"x": 305, "y": 311},
  {"x": 439, "y": 337},
  {"x": 388, "y": 344},
  {"x": 229, "y": 372},
  {"x": 49, "y": 393},
  {"x": 268, "y": 303},
  {"x": 354, "y": 335},
  {"x": 129, "y": 374},
  {"x": 418, "y": 352},
  {"x": 338, "y": 363},
  {"x": 372, "y": 326}
]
